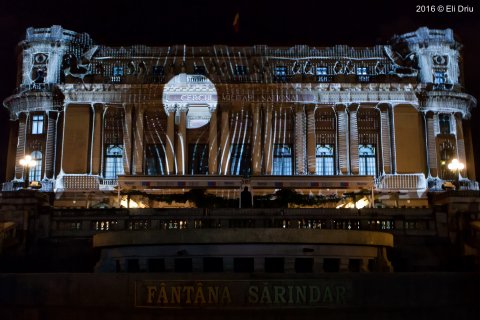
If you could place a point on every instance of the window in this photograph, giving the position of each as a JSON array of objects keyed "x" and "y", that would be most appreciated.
[
  {"x": 303, "y": 265},
  {"x": 133, "y": 265},
  {"x": 241, "y": 159},
  {"x": 117, "y": 71},
  {"x": 439, "y": 77},
  {"x": 361, "y": 71},
  {"x": 282, "y": 160},
  {"x": 113, "y": 161},
  {"x": 37, "y": 124},
  {"x": 322, "y": 71},
  {"x": 213, "y": 264},
  {"x": 183, "y": 264},
  {"x": 366, "y": 157},
  {"x": 154, "y": 160},
  {"x": 198, "y": 158},
  {"x": 280, "y": 73},
  {"x": 274, "y": 265},
  {"x": 156, "y": 265},
  {"x": 240, "y": 70},
  {"x": 243, "y": 265},
  {"x": 324, "y": 161},
  {"x": 444, "y": 120},
  {"x": 157, "y": 73},
  {"x": 35, "y": 173}
]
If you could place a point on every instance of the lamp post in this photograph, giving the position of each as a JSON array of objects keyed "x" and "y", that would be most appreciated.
[
  {"x": 456, "y": 166},
  {"x": 27, "y": 162}
]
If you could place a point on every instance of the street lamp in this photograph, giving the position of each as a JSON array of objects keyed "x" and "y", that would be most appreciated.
[
  {"x": 27, "y": 163},
  {"x": 456, "y": 166}
]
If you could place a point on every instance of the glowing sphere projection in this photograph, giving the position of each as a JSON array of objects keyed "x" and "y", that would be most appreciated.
[{"x": 194, "y": 94}]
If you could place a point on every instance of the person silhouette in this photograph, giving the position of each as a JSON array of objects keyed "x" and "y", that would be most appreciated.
[{"x": 246, "y": 198}]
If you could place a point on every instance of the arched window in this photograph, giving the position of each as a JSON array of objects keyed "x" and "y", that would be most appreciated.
[
  {"x": 282, "y": 160},
  {"x": 113, "y": 161},
  {"x": 35, "y": 173},
  {"x": 366, "y": 158},
  {"x": 324, "y": 160}
]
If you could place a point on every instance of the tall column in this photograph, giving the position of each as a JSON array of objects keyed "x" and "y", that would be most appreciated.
[
  {"x": 256, "y": 141},
  {"x": 353, "y": 138},
  {"x": 22, "y": 139},
  {"x": 386, "y": 138},
  {"x": 431, "y": 146},
  {"x": 213, "y": 144},
  {"x": 342, "y": 139},
  {"x": 300, "y": 140},
  {"x": 127, "y": 139},
  {"x": 170, "y": 143},
  {"x": 181, "y": 149},
  {"x": 392, "y": 140},
  {"x": 460, "y": 139},
  {"x": 224, "y": 143},
  {"x": 97, "y": 139},
  {"x": 50, "y": 145},
  {"x": 138, "y": 138},
  {"x": 268, "y": 142},
  {"x": 311, "y": 140}
]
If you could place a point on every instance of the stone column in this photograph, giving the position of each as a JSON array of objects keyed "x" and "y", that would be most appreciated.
[
  {"x": 224, "y": 143},
  {"x": 213, "y": 144},
  {"x": 22, "y": 139},
  {"x": 138, "y": 138},
  {"x": 342, "y": 139},
  {"x": 96, "y": 151},
  {"x": 386, "y": 138},
  {"x": 353, "y": 138},
  {"x": 311, "y": 140},
  {"x": 300, "y": 140},
  {"x": 127, "y": 139},
  {"x": 256, "y": 141},
  {"x": 268, "y": 142},
  {"x": 181, "y": 147},
  {"x": 431, "y": 147},
  {"x": 50, "y": 144},
  {"x": 170, "y": 143},
  {"x": 460, "y": 139}
]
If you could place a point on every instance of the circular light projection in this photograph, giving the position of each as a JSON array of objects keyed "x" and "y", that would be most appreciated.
[{"x": 191, "y": 93}]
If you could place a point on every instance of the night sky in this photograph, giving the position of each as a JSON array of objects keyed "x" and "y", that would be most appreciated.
[{"x": 155, "y": 22}]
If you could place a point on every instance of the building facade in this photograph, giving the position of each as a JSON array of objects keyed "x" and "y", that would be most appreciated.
[{"x": 98, "y": 118}]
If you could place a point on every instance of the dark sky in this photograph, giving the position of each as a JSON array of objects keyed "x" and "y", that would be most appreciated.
[{"x": 159, "y": 22}]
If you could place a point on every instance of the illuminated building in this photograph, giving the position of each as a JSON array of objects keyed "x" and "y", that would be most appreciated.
[
  {"x": 116, "y": 131},
  {"x": 387, "y": 117}
]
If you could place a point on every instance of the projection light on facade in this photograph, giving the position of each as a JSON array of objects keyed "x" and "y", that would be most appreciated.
[{"x": 191, "y": 93}]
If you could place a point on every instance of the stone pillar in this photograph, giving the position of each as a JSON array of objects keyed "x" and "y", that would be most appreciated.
[
  {"x": 170, "y": 143},
  {"x": 311, "y": 140},
  {"x": 181, "y": 147},
  {"x": 213, "y": 144},
  {"x": 224, "y": 143},
  {"x": 268, "y": 142},
  {"x": 353, "y": 139},
  {"x": 431, "y": 147},
  {"x": 460, "y": 139},
  {"x": 342, "y": 139},
  {"x": 138, "y": 138},
  {"x": 127, "y": 139},
  {"x": 50, "y": 144},
  {"x": 300, "y": 140},
  {"x": 256, "y": 141},
  {"x": 386, "y": 138},
  {"x": 96, "y": 151},
  {"x": 22, "y": 139}
]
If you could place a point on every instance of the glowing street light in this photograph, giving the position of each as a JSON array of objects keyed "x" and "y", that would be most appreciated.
[
  {"x": 456, "y": 166},
  {"x": 27, "y": 163}
]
